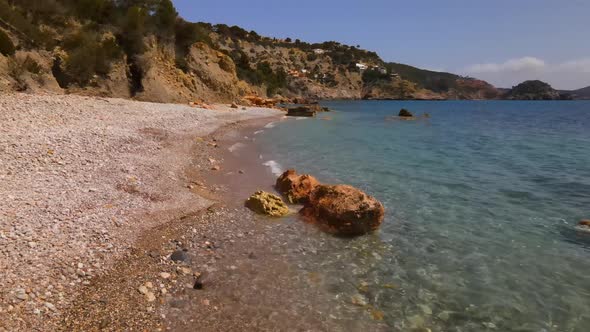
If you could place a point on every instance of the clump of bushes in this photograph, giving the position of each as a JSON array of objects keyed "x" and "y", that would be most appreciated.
[
  {"x": 89, "y": 54},
  {"x": 6, "y": 46}
]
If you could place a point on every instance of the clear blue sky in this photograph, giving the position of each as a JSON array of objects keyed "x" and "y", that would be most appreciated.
[{"x": 500, "y": 40}]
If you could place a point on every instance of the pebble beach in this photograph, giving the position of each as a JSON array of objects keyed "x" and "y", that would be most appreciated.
[{"x": 82, "y": 180}]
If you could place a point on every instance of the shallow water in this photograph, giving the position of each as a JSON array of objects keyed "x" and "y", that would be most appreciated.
[{"x": 481, "y": 201}]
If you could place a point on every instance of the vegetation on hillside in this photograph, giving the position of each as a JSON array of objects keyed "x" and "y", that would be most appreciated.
[
  {"x": 88, "y": 37},
  {"x": 427, "y": 79},
  {"x": 6, "y": 45}
]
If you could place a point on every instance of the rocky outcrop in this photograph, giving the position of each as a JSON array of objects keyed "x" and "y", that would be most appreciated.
[
  {"x": 584, "y": 223},
  {"x": 296, "y": 188},
  {"x": 303, "y": 111},
  {"x": 343, "y": 210},
  {"x": 28, "y": 71},
  {"x": 306, "y": 110},
  {"x": 268, "y": 204},
  {"x": 209, "y": 75},
  {"x": 405, "y": 113}
]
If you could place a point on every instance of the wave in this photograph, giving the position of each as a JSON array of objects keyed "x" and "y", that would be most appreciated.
[
  {"x": 275, "y": 167},
  {"x": 258, "y": 132},
  {"x": 270, "y": 125}
]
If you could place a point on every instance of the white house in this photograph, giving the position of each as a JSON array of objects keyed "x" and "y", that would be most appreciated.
[
  {"x": 319, "y": 51},
  {"x": 361, "y": 66}
]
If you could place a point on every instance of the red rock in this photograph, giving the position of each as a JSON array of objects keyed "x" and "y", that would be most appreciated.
[
  {"x": 296, "y": 188},
  {"x": 343, "y": 210}
]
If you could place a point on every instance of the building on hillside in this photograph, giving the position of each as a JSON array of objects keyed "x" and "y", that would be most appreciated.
[
  {"x": 319, "y": 51},
  {"x": 298, "y": 73},
  {"x": 361, "y": 66}
]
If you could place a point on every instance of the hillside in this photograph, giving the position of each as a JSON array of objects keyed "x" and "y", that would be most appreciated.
[
  {"x": 583, "y": 93},
  {"x": 141, "y": 49}
]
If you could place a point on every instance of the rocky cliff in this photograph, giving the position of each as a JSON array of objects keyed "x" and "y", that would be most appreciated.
[{"x": 141, "y": 49}]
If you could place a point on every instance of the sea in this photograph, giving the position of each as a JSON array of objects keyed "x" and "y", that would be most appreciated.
[{"x": 481, "y": 198}]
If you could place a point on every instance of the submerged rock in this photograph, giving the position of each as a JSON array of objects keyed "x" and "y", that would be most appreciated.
[
  {"x": 296, "y": 188},
  {"x": 343, "y": 210},
  {"x": 266, "y": 203},
  {"x": 405, "y": 113}
]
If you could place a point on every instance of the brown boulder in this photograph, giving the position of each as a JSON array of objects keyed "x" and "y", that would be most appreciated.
[
  {"x": 343, "y": 210},
  {"x": 296, "y": 188},
  {"x": 584, "y": 222},
  {"x": 302, "y": 111}
]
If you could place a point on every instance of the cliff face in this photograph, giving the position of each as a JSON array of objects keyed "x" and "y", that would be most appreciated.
[{"x": 143, "y": 50}]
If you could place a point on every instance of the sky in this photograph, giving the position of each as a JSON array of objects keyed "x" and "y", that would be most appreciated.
[{"x": 503, "y": 42}]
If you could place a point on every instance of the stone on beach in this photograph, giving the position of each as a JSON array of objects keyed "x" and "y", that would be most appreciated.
[
  {"x": 296, "y": 188},
  {"x": 343, "y": 210},
  {"x": 179, "y": 256},
  {"x": 268, "y": 204}
]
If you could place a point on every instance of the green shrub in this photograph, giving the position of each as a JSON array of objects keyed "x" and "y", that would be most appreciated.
[
  {"x": 134, "y": 29},
  {"x": 6, "y": 46},
  {"x": 189, "y": 33},
  {"x": 88, "y": 55}
]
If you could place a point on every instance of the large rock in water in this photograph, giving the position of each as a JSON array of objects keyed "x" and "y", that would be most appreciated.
[
  {"x": 343, "y": 210},
  {"x": 266, "y": 203},
  {"x": 296, "y": 188},
  {"x": 303, "y": 111},
  {"x": 405, "y": 113}
]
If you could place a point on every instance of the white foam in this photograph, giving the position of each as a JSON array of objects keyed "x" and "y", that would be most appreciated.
[
  {"x": 301, "y": 118},
  {"x": 275, "y": 167},
  {"x": 258, "y": 132},
  {"x": 236, "y": 146},
  {"x": 270, "y": 125}
]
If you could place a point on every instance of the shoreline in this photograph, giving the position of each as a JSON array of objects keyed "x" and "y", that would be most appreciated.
[{"x": 98, "y": 172}]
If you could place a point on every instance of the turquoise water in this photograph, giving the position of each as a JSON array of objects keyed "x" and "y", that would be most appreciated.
[{"x": 481, "y": 202}]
